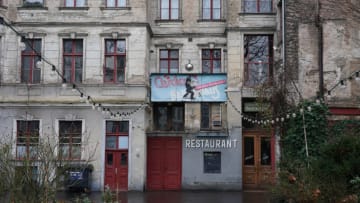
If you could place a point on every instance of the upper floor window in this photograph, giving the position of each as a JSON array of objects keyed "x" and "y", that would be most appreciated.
[
  {"x": 70, "y": 139},
  {"x": 115, "y": 60},
  {"x": 210, "y": 116},
  {"x": 211, "y": 9},
  {"x": 33, "y": 3},
  {"x": 258, "y": 59},
  {"x": 115, "y": 3},
  {"x": 73, "y": 60},
  {"x": 169, "y": 9},
  {"x": 29, "y": 72},
  {"x": 169, "y": 117},
  {"x": 257, "y": 6},
  {"x": 74, "y": 3},
  {"x": 169, "y": 61},
  {"x": 27, "y": 139},
  {"x": 211, "y": 60}
]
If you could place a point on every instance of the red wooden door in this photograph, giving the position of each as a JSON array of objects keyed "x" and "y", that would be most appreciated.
[
  {"x": 116, "y": 170},
  {"x": 164, "y": 163}
]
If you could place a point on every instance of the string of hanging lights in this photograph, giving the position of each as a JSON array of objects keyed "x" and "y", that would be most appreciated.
[
  {"x": 83, "y": 97},
  {"x": 269, "y": 120},
  {"x": 342, "y": 83}
]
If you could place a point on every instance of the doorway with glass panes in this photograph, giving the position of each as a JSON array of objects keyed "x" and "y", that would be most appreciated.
[{"x": 258, "y": 159}]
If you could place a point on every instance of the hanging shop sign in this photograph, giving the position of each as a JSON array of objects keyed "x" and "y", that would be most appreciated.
[
  {"x": 211, "y": 143},
  {"x": 255, "y": 107},
  {"x": 188, "y": 87}
]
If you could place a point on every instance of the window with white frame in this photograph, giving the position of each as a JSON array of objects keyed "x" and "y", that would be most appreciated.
[
  {"x": 70, "y": 136},
  {"x": 115, "y": 61},
  {"x": 169, "y": 61},
  {"x": 211, "y": 60},
  {"x": 73, "y": 60},
  {"x": 33, "y": 3},
  {"x": 169, "y": 9},
  {"x": 257, "y": 6},
  {"x": 27, "y": 138},
  {"x": 210, "y": 116},
  {"x": 74, "y": 3},
  {"x": 211, "y": 9},
  {"x": 258, "y": 57},
  {"x": 29, "y": 72},
  {"x": 115, "y": 3}
]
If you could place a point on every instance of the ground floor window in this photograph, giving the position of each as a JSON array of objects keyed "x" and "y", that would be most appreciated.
[{"x": 212, "y": 162}]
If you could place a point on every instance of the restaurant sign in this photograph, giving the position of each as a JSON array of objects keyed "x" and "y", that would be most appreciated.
[{"x": 188, "y": 87}]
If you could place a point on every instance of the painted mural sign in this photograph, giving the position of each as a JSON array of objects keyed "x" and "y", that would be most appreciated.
[{"x": 188, "y": 88}]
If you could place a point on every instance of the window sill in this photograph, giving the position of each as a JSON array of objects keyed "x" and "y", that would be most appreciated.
[
  {"x": 3, "y": 7},
  {"x": 211, "y": 20},
  {"x": 115, "y": 8},
  {"x": 169, "y": 21},
  {"x": 74, "y": 8},
  {"x": 258, "y": 14},
  {"x": 32, "y": 8},
  {"x": 212, "y": 133}
]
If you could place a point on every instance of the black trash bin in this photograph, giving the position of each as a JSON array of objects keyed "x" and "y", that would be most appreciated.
[{"x": 78, "y": 178}]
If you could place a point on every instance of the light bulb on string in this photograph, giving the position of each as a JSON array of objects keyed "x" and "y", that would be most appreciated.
[
  {"x": 309, "y": 108},
  {"x": 357, "y": 76},
  {"x": 301, "y": 110},
  {"x": 99, "y": 107},
  {"x": 93, "y": 106},
  {"x": 287, "y": 116},
  {"x": 73, "y": 88},
  {"x": 22, "y": 46},
  {"x": 293, "y": 115},
  {"x": 328, "y": 94},
  {"x": 88, "y": 100},
  {"x": 282, "y": 119},
  {"x": 277, "y": 119},
  {"x": 38, "y": 64},
  {"x": 64, "y": 85},
  {"x": 342, "y": 84},
  {"x": 82, "y": 98}
]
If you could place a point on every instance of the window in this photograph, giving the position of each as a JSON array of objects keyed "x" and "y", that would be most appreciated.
[
  {"x": 257, "y": 6},
  {"x": 212, "y": 162},
  {"x": 258, "y": 59},
  {"x": 211, "y": 60},
  {"x": 115, "y": 60},
  {"x": 29, "y": 57},
  {"x": 70, "y": 139},
  {"x": 115, "y": 3},
  {"x": 169, "y": 116},
  {"x": 27, "y": 139},
  {"x": 210, "y": 116},
  {"x": 74, "y": 3},
  {"x": 211, "y": 9},
  {"x": 73, "y": 60},
  {"x": 33, "y": 3},
  {"x": 117, "y": 135},
  {"x": 169, "y": 9},
  {"x": 169, "y": 61}
]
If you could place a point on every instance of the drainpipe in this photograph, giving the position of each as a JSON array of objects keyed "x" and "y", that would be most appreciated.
[{"x": 319, "y": 25}]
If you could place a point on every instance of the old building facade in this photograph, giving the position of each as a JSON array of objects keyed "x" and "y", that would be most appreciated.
[
  {"x": 322, "y": 52},
  {"x": 152, "y": 93}
]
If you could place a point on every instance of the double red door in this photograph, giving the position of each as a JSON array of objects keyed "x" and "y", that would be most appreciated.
[
  {"x": 164, "y": 163},
  {"x": 116, "y": 169}
]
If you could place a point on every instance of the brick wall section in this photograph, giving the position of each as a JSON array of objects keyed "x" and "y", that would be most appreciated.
[{"x": 297, "y": 12}]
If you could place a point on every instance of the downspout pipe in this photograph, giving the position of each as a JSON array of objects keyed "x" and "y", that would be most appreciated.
[{"x": 320, "y": 50}]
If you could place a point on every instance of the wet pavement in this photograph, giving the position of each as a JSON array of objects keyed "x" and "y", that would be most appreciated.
[{"x": 176, "y": 197}]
